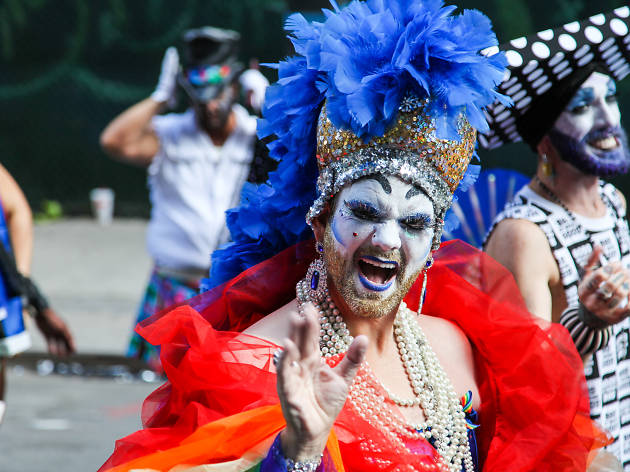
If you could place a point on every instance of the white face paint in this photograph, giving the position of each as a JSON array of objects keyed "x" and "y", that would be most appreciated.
[
  {"x": 588, "y": 134},
  {"x": 377, "y": 242},
  {"x": 594, "y": 106}
]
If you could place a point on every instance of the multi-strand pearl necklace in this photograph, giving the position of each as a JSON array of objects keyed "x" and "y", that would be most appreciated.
[{"x": 445, "y": 419}]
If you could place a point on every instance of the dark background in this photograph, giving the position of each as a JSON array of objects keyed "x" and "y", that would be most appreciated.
[{"x": 67, "y": 67}]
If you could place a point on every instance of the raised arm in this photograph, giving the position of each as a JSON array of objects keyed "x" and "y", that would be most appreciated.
[
  {"x": 130, "y": 137},
  {"x": 524, "y": 250},
  {"x": 19, "y": 220}
]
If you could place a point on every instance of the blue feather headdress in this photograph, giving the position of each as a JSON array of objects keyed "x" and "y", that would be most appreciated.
[{"x": 363, "y": 61}]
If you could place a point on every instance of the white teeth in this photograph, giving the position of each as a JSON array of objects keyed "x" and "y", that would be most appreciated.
[
  {"x": 383, "y": 265},
  {"x": 606, "y": 144}
]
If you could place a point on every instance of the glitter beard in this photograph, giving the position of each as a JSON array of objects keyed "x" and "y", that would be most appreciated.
[
  {"x": 341, "y": 279},
  {"x": 601, "y": 163}
]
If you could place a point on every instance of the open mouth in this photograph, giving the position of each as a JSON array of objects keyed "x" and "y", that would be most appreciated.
[
  {"x": 377, "y": 274},
  {"x": 608, "y": 143}
]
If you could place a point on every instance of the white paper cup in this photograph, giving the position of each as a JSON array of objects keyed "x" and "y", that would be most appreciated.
[{"x": 102, "y": 200}]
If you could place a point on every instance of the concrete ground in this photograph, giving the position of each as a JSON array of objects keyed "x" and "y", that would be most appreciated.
[
  {"x": 94, "y": 277},
  {"x": 66, "y": 423}
]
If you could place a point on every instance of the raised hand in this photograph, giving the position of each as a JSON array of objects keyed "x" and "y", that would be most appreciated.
[
  {"x": 311, "y": 393},
  {"x": 604, "y": 291},
  {"x": 167, "y": 83}
]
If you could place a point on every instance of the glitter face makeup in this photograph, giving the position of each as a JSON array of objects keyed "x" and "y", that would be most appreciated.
[
  {"x": 588, "y": 134},
  {"x": 376, "y": 243}
]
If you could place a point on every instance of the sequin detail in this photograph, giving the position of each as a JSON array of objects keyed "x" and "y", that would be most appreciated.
[
  {"x": 409, "y": 149},
  {"x": 413, "y": 130}
]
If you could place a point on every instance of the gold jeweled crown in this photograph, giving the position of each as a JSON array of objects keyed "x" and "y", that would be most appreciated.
[{"x": 409, "y": 149}]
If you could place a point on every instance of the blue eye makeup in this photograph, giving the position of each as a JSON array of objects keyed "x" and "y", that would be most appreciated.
[
  {"x": 612, "y": 88},
  {"x": 582, "y": 99},
  {"x": 363, "y": 210},
  {"x": 611, "y": 93},
  {"x": 418, "y": 222}
]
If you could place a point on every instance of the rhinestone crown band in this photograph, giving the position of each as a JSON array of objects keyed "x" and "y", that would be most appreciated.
[{"x": 409, "y": 149}]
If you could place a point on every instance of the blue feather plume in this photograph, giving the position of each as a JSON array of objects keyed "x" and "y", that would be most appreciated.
[{"x": 362, "y": 60}]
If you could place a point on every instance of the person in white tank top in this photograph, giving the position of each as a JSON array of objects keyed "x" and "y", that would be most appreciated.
[{"x": 197, "y": 163}]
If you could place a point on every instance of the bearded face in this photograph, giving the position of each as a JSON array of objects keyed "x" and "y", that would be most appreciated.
[
  {"x": 213, "y": 116},
  {"x": 588, "y": 133},
  {"x": 376, "y": 243}
]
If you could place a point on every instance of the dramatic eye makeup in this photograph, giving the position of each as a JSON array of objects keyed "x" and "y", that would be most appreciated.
[
  {"x": 582, "y": 100},
  {"x": 611, "y": 92},
  {"x": 418, "y": 222},
  {"x": 363, "y": 210}
]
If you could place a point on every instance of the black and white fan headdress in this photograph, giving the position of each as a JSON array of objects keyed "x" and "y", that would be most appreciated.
[{"x": 547, "y": 68}]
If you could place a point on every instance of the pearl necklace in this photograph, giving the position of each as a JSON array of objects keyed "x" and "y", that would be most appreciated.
[{"x": 445, "y": 420}]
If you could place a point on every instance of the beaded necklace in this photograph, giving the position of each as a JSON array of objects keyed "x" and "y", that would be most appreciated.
[
  {"x": 554, "y": 198},
  {"x": 445, "y": 421}
]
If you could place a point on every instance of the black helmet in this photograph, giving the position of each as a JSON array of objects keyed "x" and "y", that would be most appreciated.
[{"x": 209, "y": 62}]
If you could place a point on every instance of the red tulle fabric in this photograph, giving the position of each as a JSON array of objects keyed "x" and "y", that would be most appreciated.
[{"x": 534, "y": 412}]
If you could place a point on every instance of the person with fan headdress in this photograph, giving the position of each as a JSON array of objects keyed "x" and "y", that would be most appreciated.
[
  {"x": 565, "y": 236},
  {"x": 197, "y": 163},
  {"x": 355, "y": 356}
]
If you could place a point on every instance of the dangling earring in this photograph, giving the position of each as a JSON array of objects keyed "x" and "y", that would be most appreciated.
[
  {"x": 547, "y": 167},
  {"x": 316, "y": 275},
  {"x": 427, "y": 266},
  {"x": 429, "y": 263}
]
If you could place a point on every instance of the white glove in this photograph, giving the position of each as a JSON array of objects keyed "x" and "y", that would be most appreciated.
[{"x": 167, "y": 83}]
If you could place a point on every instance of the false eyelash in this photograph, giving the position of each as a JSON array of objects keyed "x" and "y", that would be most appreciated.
[
  {"x": 420, "y": 221},
  {"x": 362, "y": 209}
]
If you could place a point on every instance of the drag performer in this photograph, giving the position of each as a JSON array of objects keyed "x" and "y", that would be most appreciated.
[
  {"x": 565, "y": 236},
  {"x": 197, "y": 163},
  {"x": 376, "y": 351}
]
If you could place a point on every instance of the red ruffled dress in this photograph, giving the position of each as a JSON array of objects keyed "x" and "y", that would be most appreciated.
[{"x": 220, "y": 405}]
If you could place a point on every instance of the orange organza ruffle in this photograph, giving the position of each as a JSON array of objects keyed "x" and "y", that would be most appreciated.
[{"x": 534, "y": 411}]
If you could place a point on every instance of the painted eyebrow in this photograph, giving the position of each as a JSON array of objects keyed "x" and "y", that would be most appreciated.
[
  {"x": 413, "y": 191},
  {"x": 583, "y": 96},
  {"x": 381, "y": 179}
]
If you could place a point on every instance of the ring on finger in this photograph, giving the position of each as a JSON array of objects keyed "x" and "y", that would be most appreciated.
[
  {"x": 277, "y": 355},
  {"x": 603, "y": 291},
  {"x": 592, "y": 284}
]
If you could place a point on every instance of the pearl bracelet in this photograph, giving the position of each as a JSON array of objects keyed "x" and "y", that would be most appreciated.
[{"x": 309, "y": 465}]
